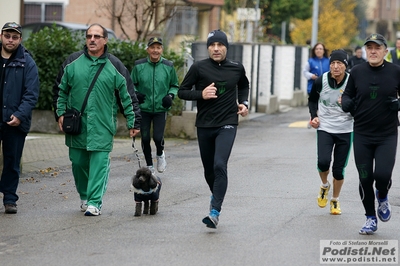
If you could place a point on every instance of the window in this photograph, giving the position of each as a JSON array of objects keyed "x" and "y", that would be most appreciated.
[
  {"x": 388, "y": 3},
  {"x": 41, "y": 12},
  {"x": 185, "y": 20}
]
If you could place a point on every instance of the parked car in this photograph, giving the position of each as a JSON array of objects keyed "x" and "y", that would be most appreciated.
[{"x": 30, "y": 28}]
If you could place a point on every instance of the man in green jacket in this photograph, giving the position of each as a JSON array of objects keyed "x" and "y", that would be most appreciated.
[
  {"x": 89, "y": 151},
  {"x": 156, "y": 85}
]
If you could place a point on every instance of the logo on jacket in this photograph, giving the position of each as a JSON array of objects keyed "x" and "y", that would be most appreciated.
[
  {"x": 221, "y": 88},
  {"x": 374, "y": 92}
]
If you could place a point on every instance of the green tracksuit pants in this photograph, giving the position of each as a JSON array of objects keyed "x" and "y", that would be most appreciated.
[{"x": 91, "y": 170}]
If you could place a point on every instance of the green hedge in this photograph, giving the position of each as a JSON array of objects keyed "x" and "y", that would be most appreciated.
[{"x": 51, "y": 46}]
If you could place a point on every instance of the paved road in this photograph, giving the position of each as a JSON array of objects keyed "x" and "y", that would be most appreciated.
[{"x": 270, "y": 215}]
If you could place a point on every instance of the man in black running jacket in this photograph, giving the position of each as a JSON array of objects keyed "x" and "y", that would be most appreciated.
[
  {"x": 373, "y": 90},
  {"x": 220, "y": 84}
]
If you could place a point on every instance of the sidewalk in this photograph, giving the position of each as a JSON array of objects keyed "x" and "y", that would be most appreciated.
[{"x": 44, "y": 151}]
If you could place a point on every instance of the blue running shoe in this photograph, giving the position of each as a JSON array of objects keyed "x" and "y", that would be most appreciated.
[
  {"x": 370, "y": 226},
  {"x": 384, "y": 208},
  {"x": 211, "y": 221}
]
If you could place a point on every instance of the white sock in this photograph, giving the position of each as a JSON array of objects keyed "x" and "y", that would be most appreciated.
[
  {"x": 334, "y": 199},
  {"x": 326, "y": 185}
]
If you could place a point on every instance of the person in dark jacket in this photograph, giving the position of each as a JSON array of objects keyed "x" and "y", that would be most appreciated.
[
  {"x": 356, "y": 58},
  {"x": 221, "y": 91},
  {"x": 19, "y": 93},
  {"x": 372, "y": 95},
  {"x": 156, "y": 84}
]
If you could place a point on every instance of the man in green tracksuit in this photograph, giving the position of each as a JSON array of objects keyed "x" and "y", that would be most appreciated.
[
  {"x": 156, "y": 85},
  {"x": 89, "y": 151}
]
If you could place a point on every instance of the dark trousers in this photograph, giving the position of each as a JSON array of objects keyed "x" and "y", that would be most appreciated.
[
  {"x": 340, "y": 144},
  {"x": 375, "y": 158},
  {"x": 159, "y": 120},
  {"x": 12, "y": 143},
  {"x": 215, "y": 146}
]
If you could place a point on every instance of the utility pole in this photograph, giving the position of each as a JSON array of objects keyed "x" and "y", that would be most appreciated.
[
  {"x": 314, "y": 35},
  {"x": 255, "y": 34}
]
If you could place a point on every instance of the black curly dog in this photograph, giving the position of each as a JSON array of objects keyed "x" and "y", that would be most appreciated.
[{"x": 146, "y": 187}]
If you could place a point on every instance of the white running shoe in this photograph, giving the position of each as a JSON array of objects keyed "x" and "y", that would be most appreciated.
[
  {"x": 83, "y": 205},
  {"x": 92, "y": 211},
  {"x": 161, "y": 163}
]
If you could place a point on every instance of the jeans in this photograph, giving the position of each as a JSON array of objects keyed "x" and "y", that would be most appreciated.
[{"x": 12, "y": 142}]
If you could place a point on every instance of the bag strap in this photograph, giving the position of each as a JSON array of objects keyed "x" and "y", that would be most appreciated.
[{"x": 91, "y": 87}]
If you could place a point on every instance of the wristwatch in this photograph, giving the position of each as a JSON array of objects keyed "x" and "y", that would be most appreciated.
[{"x": 246, "y": 103}]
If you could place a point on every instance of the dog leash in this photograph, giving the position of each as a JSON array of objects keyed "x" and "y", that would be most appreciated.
[{"x": 136, "y": 151}]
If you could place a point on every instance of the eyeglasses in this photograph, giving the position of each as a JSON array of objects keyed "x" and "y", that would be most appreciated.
[
  {"x": 14, "y": 37},
  {"x": 96, "y": 36}
]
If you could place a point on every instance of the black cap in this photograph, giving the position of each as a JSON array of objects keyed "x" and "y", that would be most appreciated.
[
  {"x": 154, "y": 40},
  {"x": 376, "y": 38},
  {"x": 217, "y": 36},
  {"x": 339, "y": 55},
  {"x": 12, "y": 26}
]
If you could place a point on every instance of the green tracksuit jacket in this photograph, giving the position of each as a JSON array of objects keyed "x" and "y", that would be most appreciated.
[
  {"x": 113, "y": 89},
  {"x": 155, "y": 81}
]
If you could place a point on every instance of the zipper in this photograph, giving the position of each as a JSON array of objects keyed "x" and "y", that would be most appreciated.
[{"x": 154, "y": 97}]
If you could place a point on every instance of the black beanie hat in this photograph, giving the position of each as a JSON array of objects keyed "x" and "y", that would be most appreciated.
[
  {"x": 217, "y": 36},
  {"x": 339, "y": 55}
]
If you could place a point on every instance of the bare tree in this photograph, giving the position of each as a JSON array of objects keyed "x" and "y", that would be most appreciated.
[{"x": 137, "y": 19}]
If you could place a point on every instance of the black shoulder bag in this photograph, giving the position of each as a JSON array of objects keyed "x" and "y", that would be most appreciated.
[{"x": 72, "y": 124}]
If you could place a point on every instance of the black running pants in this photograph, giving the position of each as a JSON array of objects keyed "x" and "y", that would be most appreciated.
[
  {"x": 215, "y": 146},
  {"x": 374, "y": 158}
]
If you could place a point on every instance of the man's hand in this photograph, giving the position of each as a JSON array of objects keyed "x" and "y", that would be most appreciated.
[
  {"x": 167, "y": 101},
  {"x": 210, "y": 92},
  {"x": 14, "y": 122},
  {"x": 243, "y": 111},
  {"x": 315, "y": 122},
  {"x": 60, "y": 123},
  {"x": 133, "y": 132}
]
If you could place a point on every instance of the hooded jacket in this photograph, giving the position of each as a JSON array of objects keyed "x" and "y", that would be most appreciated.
[
  {"x": 113, "y": 89},
  {"x": 20, "y": 84}
]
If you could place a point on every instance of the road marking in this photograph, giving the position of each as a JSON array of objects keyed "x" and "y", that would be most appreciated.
[
  {"x": 32, "y": 137},
  {"x": 302, "y": 124}
]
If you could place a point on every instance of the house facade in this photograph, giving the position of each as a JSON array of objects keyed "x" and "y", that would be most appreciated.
[
  {"x": 383, "y": 17},
  {"x": 191, "y": 18}
]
